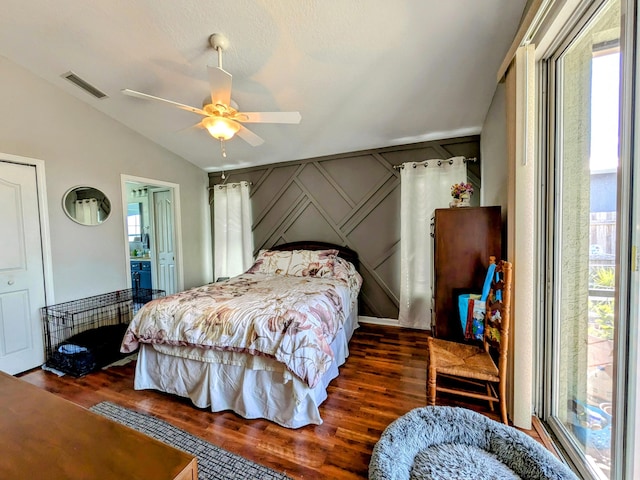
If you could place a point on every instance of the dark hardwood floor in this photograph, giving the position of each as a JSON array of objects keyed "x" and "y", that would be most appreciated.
[{"x": 383, "y": 378}]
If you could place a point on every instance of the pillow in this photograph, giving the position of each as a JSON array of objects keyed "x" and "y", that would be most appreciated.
[
  {"x": 299, "y": 263},
  {"x": 312, "y": 263},
  {"x": 346, "y": 271},
  {"x": 271, "y": 262}
]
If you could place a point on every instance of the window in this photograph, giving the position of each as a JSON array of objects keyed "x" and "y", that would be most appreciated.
[
  {"x": 134, "y": 222},
  {"x": 583, "y": 78}
]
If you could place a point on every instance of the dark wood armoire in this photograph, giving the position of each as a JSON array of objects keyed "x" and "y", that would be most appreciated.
[{"x": 463, "y": 241}]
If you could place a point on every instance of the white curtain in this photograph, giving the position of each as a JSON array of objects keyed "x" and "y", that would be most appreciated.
[
  {"x": 233, "y": 239},
  {"x": 87, "y": 211},
  {"x": 425, "y": 186}
]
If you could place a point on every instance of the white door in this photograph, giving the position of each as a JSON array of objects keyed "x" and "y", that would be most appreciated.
[
  {"x": 21, "y": 270},
  {"x": 164, "y": 241}
]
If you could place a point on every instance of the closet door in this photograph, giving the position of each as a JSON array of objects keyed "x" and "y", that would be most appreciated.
[
  {"x": 21, "y": 266},
  {"x": 165, "y": 241}
]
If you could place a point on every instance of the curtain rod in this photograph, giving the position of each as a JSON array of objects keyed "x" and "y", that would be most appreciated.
[
  {"x": 440, "y": 162},
  {"x": 233, "y": 185}
]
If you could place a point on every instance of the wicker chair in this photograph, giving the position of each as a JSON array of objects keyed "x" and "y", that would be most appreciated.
[{"x": 471, "y": 364}]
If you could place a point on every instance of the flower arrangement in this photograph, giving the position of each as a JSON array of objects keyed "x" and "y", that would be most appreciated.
[{"x": 461, "y": 190}]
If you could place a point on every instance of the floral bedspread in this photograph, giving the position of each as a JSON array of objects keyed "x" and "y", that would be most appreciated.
[{"x": 291, "y": 319}]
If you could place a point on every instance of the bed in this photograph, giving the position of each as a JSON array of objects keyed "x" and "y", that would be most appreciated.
[{"x": 264, "y": 344}]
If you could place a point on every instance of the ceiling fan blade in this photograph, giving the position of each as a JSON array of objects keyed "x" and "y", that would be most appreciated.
[
  {"x": 188, "y": 108},
  {"x": 197, "y": 126},
  {"x": 249, "y": 137},
  {"x": 220, "y": 82},
  {"x": 268, "y": 117}
]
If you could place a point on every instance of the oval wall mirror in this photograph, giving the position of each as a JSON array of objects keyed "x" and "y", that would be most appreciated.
[{"x": 86, "y": 205}]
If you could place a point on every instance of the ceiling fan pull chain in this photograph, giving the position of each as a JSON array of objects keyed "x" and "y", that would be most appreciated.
[{"x": 224, "y": 153}]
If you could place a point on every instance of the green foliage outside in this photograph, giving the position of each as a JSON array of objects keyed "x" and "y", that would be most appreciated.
[
  {"x": 602, "y": 278},
  {"x": 601, "y": 313}
]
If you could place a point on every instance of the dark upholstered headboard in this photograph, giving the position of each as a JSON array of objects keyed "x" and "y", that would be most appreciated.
[{"x": 343, "y": 252}]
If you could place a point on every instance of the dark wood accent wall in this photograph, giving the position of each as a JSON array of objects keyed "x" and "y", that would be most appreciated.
[{"x": 352, "y": 199}]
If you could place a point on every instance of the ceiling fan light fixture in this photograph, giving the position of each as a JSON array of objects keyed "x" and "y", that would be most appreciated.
[{"x": 221, "y": 128}]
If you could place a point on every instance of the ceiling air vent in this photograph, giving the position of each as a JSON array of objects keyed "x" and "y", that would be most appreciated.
[{"x": 87, "y": 87}]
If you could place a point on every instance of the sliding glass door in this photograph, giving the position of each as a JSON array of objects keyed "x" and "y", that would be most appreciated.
[{"x": 583, "y": 215}]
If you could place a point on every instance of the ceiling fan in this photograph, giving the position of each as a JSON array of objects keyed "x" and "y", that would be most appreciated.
[{"x": 221, "y": 119}]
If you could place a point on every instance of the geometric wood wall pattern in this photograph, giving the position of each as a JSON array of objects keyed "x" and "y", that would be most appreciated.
[{"x": 351, "y": 199}]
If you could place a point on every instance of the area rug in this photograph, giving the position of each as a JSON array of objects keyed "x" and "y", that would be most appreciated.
[{"x": 213, "y": 462}]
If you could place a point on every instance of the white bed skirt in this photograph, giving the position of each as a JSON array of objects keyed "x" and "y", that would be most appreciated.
[{"x": 272, "y": 394}]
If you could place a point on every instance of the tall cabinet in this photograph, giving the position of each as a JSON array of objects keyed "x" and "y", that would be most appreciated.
[{"x": 463, "y": 241}]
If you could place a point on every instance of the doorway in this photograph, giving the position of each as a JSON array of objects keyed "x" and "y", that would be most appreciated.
[{"x": 152, "y": 230}]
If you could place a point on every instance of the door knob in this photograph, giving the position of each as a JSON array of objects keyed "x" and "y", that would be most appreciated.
[{"x": 11, "y": 282}]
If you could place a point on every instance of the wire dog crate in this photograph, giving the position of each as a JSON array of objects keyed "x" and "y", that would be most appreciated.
[{"x": 83, "y": 335}]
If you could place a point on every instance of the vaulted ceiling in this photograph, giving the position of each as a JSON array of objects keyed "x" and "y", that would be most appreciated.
[{"x": 362, "y": 73}]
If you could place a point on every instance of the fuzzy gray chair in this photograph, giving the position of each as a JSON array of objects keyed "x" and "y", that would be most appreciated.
[{"x": 444, "y": 443}]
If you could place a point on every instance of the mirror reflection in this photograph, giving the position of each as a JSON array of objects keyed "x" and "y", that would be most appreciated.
[
  {"x": 138, "y": 221},
  {"x": 86, "y": 205}
]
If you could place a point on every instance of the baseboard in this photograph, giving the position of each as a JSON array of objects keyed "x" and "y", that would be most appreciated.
[{"x": 389, "y": 322}]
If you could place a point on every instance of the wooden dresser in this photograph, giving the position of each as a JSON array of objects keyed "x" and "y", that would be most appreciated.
[
  {"x": 44, "y": 436},
  {"x": 463, "y": 240}
]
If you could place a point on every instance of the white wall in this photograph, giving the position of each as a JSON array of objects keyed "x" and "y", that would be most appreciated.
[
  {"x": 493, "y": 150},
  {"x": 81, "y": 146},
  {"x": 518, "y": 231}
]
